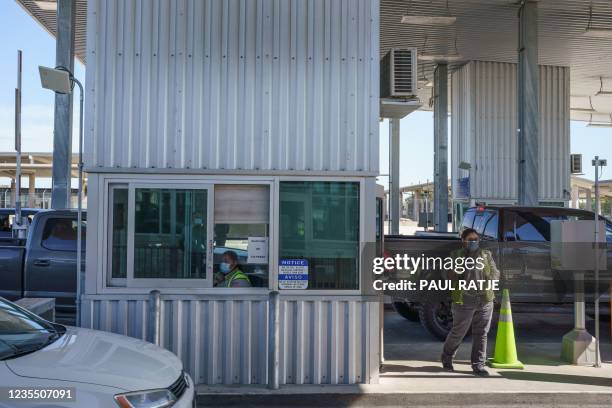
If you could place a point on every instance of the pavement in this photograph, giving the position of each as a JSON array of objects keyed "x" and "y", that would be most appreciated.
[{"x": 411, "y": 374}]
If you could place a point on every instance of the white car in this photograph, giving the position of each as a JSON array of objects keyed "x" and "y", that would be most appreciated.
[{"x": 44, "y": 364}]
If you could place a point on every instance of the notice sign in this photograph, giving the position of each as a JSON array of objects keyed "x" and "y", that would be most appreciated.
[
  {"x": 293, "y": 274},
  {"x": 257, "y": 250}
]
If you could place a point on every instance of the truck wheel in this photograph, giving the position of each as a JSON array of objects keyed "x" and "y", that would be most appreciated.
[
  {"x": 407, "y": 310},
  {"x": 436, "y": 318}
]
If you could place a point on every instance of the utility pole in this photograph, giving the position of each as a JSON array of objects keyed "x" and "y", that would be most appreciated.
[
  {"x": 62, "y": 128},
  {"x": 19, "y": 227},
  {"x": 597, "y": 163},
  {"x": 440, "y": 201},
  {"x": 528, "y": 104}
]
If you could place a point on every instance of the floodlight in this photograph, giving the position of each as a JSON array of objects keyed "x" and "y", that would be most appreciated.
[
  {"x": 599, "y": 124},
  {"x": 590, "y": 109},
  {"x": 429, "y": 20},
  {"x": 465, "y": 165},
  {"x": 598, "y": 32},
  {"x": 441, "y": 57},
  {"x": 56, "y": 80},
  {"x": 601, "y": 91},
  {"x": 46, "y": 5}
]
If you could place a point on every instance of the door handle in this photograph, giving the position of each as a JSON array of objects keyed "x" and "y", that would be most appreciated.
[{"x": 42, "y": 262}]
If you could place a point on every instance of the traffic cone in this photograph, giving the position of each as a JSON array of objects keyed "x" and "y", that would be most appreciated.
[{"x": 505, "y": 346}]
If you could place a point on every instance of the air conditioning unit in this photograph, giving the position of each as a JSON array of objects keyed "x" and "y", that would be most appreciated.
[
  {"x": 398, "y": 73},
  {"x": 575, "y": 163}
]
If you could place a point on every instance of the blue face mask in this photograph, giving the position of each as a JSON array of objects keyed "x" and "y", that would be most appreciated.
[
  {"x": 224, "y": 267},
  {"x": 472, "y": 246}
]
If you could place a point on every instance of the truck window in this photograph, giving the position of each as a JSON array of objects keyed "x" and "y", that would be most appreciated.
[
  {"x": 60, "y": 234},
  {"x": 529, "y": 227},
  {"x": 491, "y": 228},
  {"x": 481, "y": 220},
  {"x": 5, "y": 226},
  {"x": 468, "y": 219},
  {"x": 608, "y": 231}
]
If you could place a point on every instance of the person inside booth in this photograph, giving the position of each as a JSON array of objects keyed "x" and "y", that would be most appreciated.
[{"x": 230, "y": 274}]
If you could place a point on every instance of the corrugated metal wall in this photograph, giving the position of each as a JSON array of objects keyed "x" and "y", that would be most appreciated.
[
  {"x": 483, "y": 130},
  {"x": 234, "y": 84},
  {"x": 225, "y": 341}
]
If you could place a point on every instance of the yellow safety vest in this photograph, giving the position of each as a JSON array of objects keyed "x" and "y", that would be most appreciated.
[
  {"x": 236, "y": 274},
  {"x": 457, "y": 294}
]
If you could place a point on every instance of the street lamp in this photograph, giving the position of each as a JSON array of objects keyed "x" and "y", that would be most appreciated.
[
  {"x": 598, "y": 164},
  {"x": 61, "y": 80}
]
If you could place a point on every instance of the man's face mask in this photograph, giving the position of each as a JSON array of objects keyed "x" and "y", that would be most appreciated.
[
  {"x": 224, "y": 267},
  {"x": 472, "y": 246}
]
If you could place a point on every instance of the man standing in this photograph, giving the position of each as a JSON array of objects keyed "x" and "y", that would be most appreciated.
[{"x": 471, "y": 307}]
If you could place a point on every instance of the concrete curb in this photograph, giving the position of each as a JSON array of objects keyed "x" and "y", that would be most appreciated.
[{"x": 344, "y": 399}]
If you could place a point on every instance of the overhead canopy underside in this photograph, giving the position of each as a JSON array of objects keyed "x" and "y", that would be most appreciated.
[{"x": 484, "y": 30}]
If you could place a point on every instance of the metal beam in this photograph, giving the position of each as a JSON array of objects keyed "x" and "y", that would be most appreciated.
[
  {"x": 62, "y": 130},
  {"x": 528, "y": 105},
  {"x": 394, "y": 171},
  {"x": 441, "y": 148}
]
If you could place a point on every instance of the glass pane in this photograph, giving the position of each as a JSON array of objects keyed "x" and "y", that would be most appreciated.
[
  {"x": 119, "y": 238},
  {"x": 60, "y": 234},
  {"x": 253, "y": 262},
  {"x": 491, "y": 228},
  {"x": 468, "y": 219},
  {"x": 170, "y": 233},
  {"x": 319, "y": 222}
]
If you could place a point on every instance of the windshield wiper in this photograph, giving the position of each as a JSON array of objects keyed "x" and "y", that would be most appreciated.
[{"x": 19, "y": 351}]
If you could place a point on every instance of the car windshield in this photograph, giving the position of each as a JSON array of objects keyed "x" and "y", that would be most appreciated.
[{"x": 22, "y": 332}]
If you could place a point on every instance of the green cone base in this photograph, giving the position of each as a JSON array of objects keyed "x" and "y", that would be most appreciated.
[{"x": 516, "y": 365}]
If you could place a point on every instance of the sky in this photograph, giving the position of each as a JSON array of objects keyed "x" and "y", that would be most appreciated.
[{"x": 22, "y": 32}]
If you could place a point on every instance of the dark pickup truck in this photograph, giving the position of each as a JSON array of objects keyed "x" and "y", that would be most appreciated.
[
  {"x": 519, "y": 239},
  {"x": 44, "y": 264}
]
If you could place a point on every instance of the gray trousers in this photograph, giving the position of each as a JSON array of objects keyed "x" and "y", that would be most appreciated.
[{"x": 476, "y": 312}]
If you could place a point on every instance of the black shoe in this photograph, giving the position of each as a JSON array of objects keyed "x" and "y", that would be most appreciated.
[
  {"x": 448, "y": 367},
  {"x": 480, "y": 372}
]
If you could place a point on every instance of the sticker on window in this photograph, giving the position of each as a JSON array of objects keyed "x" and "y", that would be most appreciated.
[
  {"x": 293, "y": 274},
  {"x": 257, "y": 250}
]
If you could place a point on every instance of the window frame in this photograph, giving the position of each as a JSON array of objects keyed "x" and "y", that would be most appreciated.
[
  {"x": 361, "y": 237},
  {"x": 172, "y": 181},
  {"x": 133, "y": 282}
]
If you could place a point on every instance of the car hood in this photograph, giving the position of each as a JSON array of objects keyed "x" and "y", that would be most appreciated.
[{"x": 95, "y": 357}]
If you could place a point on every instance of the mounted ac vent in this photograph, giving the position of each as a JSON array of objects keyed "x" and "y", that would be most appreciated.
[
  {"x": 398, "y": 73},
  {"x": 576, "y": 163}
]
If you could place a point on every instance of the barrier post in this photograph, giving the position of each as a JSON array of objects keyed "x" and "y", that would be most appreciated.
[
  {"x": 153, "y": 334},
  {"x": 273, "y": 340}
]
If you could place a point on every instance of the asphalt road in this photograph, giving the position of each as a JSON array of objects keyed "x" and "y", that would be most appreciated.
[{"x": 530, "y": 328}]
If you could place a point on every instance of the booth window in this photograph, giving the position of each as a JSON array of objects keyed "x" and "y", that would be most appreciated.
[
  {"x": 242, "y": 217},
  {"x": 170, "y": 233},
  {"x": 319, "y": 223}
]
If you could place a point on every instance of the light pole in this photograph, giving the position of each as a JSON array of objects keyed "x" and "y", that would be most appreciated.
[
  {"x": 597, "y": 163},
  {"x": 20, "y": 227},
  {"x": 61, "y": 80}
]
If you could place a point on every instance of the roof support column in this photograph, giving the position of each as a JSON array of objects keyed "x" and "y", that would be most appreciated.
[
  {"x": 62, "y": 129},
  {"x": 528, "y": 105},
  {"x": 32, "y": 190},
  {"x": 440, "y": 203},
  {"x": 394, "y": 172}
]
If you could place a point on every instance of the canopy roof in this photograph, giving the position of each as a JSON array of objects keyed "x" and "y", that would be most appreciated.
[{"x": 484, "y": 30}]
